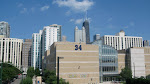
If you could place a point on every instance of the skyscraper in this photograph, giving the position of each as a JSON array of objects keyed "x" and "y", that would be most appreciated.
[
  {"x": 4, "y": 29},
  {"x": 26, "y": 54},
  {"x": 58, "y": 31},
  {"x": 96, "y": 37},
  {"x": 36, "y": 57},
  {"x": 42, "y": 41},
  {"x": 50, "y": 35},
  {"x": 145, "y": 43},
  {"x": 86, "y": 26},
  {"x": 80, "y": 35}
]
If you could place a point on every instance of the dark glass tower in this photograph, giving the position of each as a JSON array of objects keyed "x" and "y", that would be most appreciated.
[{"x": 86, "y": 26}]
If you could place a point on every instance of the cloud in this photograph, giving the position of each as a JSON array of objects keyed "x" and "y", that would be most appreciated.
[
  {"x": 74, "y": 5},
  {"x": 32, "y": 9},
  {"x": 132, "y": 24},
  {"x": 126, "y": 27},
  {"x": 68, "y": 13},
  {"x": 44, "y": 8},
  {"x": 110, "y": 19},
  {"x": 71, "y": 20},
  {"x": 78, "y": 21},
  {"x": 24, "y": 10},
  {"x": 20, "y": 5}
]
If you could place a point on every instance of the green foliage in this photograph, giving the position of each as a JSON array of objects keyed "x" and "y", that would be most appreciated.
[
  {"x": 49, "y": 77},
  {"x": 9, "y": 72},
  {"x": 137, "y": 81},
  {"x": 37, "y": 72},
  {"x": 27, "y": 80},
  {"x": 126, "y": 73},
  {"x": 30, "y": 72},
  {"x": 148, "y": 76}
]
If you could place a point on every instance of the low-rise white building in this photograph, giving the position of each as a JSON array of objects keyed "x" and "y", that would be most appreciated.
[
  {"x": 120, "y": 41},
  {"x": 11, "y": 50}
]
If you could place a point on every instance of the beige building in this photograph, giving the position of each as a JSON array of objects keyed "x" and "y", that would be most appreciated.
[
  {"x": 26, "y": 54},
  {"x": 80, "y": 63},
  {"x": 121, "y": 59},
  {"x": 138, "y": 59},
  {"x": 147, "y": 60}
]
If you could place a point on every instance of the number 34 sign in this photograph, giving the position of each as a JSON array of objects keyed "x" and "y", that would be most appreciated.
[{"x": 78, "y": 47}]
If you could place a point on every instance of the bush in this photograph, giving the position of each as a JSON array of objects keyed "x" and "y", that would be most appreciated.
[
  {"x": 137, "y": 81},
  {"x": 37, "y": 72},
  {"x": 30, "y": 72},
  {"x": 27, "y": 80}
]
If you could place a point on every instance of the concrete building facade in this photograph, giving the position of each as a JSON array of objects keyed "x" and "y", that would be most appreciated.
[
  {"x": 5, "y": 29},
  {"x": 80, "y": 63},
  {"x": 120, "y": 41},
  {"x": 11, "y": 51},
  {"x": 26, "y": 54},
  {"x": 80, "y": 35}
]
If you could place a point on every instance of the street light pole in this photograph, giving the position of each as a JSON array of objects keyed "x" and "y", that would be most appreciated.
[
  {"x": 58, "y": 68},
  {"x": 1, "y": 70}
]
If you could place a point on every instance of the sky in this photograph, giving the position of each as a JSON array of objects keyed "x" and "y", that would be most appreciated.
[{"x": 107, "y": 17}]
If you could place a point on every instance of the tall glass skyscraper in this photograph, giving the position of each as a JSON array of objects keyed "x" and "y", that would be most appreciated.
[
  {"x": 86, "y": 26},
  {"x": 4, "y": 29}
]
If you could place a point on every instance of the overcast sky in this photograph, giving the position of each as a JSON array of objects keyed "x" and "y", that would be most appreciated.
[{"x": 107, "y": 17}]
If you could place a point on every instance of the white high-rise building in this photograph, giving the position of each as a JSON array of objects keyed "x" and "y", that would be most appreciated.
[
  {"x": 49, "y": 36},
  {"x": 121, "y": 41},
  {"x": 80, "y": 35},
  {"x": 10, "y": 51},
  {"x": 42, "y": 41},
  {"x": 36, "y": 57}
]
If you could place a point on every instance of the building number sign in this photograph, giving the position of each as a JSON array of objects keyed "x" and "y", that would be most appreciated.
[{"x": 78, "y": 47}]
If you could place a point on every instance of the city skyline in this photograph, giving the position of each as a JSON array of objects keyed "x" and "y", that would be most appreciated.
[{"x": 106, "y": 18}]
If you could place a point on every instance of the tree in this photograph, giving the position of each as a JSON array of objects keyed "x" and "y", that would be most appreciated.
[
  {"x": 126, "y": 73},
  {"x": 9, "y": 72},
  {"x": 37, "y": 72},
  {"x": 49, "y": 77},
  {"x": 30, "y": 72}
]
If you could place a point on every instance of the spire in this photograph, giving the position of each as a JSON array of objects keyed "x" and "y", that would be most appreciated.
[{"x": 86, "y": 15}]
